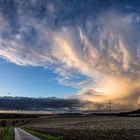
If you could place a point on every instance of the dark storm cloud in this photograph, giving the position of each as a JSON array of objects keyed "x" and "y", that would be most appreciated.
[{"x": 26, "y": 103}]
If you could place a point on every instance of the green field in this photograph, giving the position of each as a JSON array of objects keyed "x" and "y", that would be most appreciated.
[{"x": 6, "y": 133}]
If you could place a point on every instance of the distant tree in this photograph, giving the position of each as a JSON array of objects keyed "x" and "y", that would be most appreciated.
[
  {"x": 13, "y": 123},
  {"x": 3, "y": 123},
  {"x": 17, "y": 121}
]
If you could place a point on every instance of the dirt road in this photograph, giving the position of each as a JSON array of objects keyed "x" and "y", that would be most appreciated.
[{"x": 20, "y": 134}]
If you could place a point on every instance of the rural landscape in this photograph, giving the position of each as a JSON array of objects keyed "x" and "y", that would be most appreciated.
[
  {"x": 118, "y": 126},
  {"x": 69, "y": 69}
]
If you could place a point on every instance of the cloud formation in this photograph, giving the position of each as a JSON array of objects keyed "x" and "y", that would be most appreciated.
[{"x": 102, "y": 46}]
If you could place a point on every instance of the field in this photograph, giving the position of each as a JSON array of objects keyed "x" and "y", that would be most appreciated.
[
  {"x": 75, "y": 127},
  {"x": 88, "y": 127}
]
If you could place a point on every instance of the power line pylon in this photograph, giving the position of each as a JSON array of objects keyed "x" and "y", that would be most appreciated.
[{"x": 109, "y": 106}]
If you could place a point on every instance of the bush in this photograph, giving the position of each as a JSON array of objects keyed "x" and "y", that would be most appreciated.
[
  {"x": 17, "y": 121},
  {"x": 3, "y": 123},
  {"x": 13, "y": 123}
]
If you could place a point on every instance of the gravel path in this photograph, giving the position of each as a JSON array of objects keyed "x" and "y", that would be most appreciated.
[{"x": 20, "y": 134}]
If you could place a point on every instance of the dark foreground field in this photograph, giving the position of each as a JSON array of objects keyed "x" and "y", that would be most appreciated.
[
  {"x": 87, "y": 134},
  {"x": 89, "y": 127}
]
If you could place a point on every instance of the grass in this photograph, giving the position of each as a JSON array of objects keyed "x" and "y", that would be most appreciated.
[
  {"x": 42, "y": 136},
  {"x": 1, "y": 133},
  {"x": 7, "y": 133}
]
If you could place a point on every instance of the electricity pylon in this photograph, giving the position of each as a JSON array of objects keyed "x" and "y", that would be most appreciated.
[{"x": 109, "y": 106}]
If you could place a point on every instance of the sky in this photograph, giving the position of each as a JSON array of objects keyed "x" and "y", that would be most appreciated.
[{"x": 85, "y": 49}]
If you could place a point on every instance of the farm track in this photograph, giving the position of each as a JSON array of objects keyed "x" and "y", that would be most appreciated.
[{"x": 20, "y": 134}]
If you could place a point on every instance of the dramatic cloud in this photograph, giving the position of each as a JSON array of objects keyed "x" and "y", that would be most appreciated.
[{"x": 75, "y": 40}]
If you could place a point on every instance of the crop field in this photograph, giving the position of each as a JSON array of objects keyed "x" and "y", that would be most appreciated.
[{"x": 89, "y": 128}]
